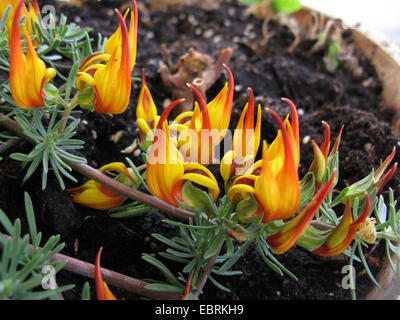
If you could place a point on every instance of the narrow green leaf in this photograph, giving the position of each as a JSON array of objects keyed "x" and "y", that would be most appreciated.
[
  {"x": 163, "y": 268},
  {"x": 170, "y": 243},
  {"x": 30, "y": 215},
  {"x": 163, "y": 288}
]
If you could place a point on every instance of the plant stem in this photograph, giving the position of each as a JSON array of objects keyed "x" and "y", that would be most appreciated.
[
  {"x": 207, "y": 271},
  {"x": 67, "y": 109},
  {"x": 111, "y": 277},
  {"x": 8, "y": 144},
  {"x": 387, "y": 236},
  {"x": 65, "y": 116}
]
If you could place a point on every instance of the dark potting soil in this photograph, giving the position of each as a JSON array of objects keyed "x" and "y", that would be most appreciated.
[{"x": 339, "y": 98}]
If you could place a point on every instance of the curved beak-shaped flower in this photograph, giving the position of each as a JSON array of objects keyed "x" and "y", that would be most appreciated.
[
  {"x": 102, "y": 290},
  {"x": 273, "y": 181},
  {"x": 195, "y": 137},
  {"x": 168, "y": 176},
  {"x": 380, "y": 177},
  {"x": 31, "y": 13},
  {"x": 94, "y": 195},
  {"x": 28, "y": 73},
  {"x": 322, "y": 155},
  {"x": 220, "y": 108},
  {"x": 111, "y": 82},
  {"x": 115, "y": 42},
  {"x": 344, "y": 233},
  {"x": 245, "y": 144},
  {"x": 287, "y": 236},
  {"x": 146, "y": 111}
]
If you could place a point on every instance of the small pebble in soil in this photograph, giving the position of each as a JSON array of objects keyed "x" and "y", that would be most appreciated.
[
  {"x": 238, "y": 87},
  {"x": 149, "y": 35},
  {"x": 166, "y": 103},
  {"x": 76, "y": 246},
  {"x": 306, "y": 140},
  {"x": 217, "y": 39},
  {"x": 236, "y": 39},
  {"x": 116, "y": 136},
  {"x": 94, "y": 134},
  {"x": 130, "y": 148},
  {"x": 208, "y": 33},
  {"x": 193, "y": 21}
]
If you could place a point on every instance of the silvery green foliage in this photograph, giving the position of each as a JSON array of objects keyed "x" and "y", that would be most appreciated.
[{"x": 27, "y": 271}]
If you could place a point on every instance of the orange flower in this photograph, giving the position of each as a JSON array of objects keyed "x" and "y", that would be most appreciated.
[
  {"x": 94, "y": 195},
  {"x": 28, "y": 73},
  {"x": 245, "y": 144},
  {"x": 380, "y": 177},
  {"x": 195, "y": 137},
  {"x": 287, "y": 236},
  {"x": 220, "y": 108},
  {"x": 115, "y": 42},
  {"x": 322, "y": 155},
  {"x": 102, "y": 289},
  {"x": 168, "y": 177},
  {"x": 273, "y": 181},
  {"x": 341, "y": 237},
  {"x": 146, "y": 111},
  {"x": 111, "y": 82},
  {"x": 31, "y": 14}
]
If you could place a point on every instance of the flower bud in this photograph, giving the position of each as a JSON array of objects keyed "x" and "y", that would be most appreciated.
[
  {"x": 238, "y": 235},
  {"x": 247, "y": 210},
  {"x": 368, "y": 231}
]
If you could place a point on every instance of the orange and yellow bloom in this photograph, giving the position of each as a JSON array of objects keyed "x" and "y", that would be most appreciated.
[
  {"x": 287, "y": 236},
  {"x": 274, "y": 181},
  {"x": 28, "y": 73},
  {"x": 115, "y": 42},
  {"x": 168, "y": 176},
  {"x": 146, "y": 112},
  {"x": 245, "y": 144},
  {"x": 31, "y": 14},
  {"x": 195, "y": 136},
  {"x": 94, "y": 195},
  {"x": 380, "y": 177},
  {"x": 109, "y": 73},
  {"x": 220, "y": 108},
  {"x": 322, "y": 155},
  {"x": 102, "y": 290},
  {"x": 340, "y": 238}
]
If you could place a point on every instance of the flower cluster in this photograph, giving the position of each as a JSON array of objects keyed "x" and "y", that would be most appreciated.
[
  {"x": 268, "y": 198},
  {"x": 266, "y": 191},
  {"x": 108, "y": 73}
]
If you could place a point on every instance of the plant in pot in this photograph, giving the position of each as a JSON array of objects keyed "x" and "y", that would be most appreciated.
[{"x": 228, "y": 191}]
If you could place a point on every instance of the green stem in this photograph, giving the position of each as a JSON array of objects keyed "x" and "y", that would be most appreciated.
[
  {"x": 207, "y": 271},
  {"x": 387, "y": 236},
  {"x": 68, "y": 107}
]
